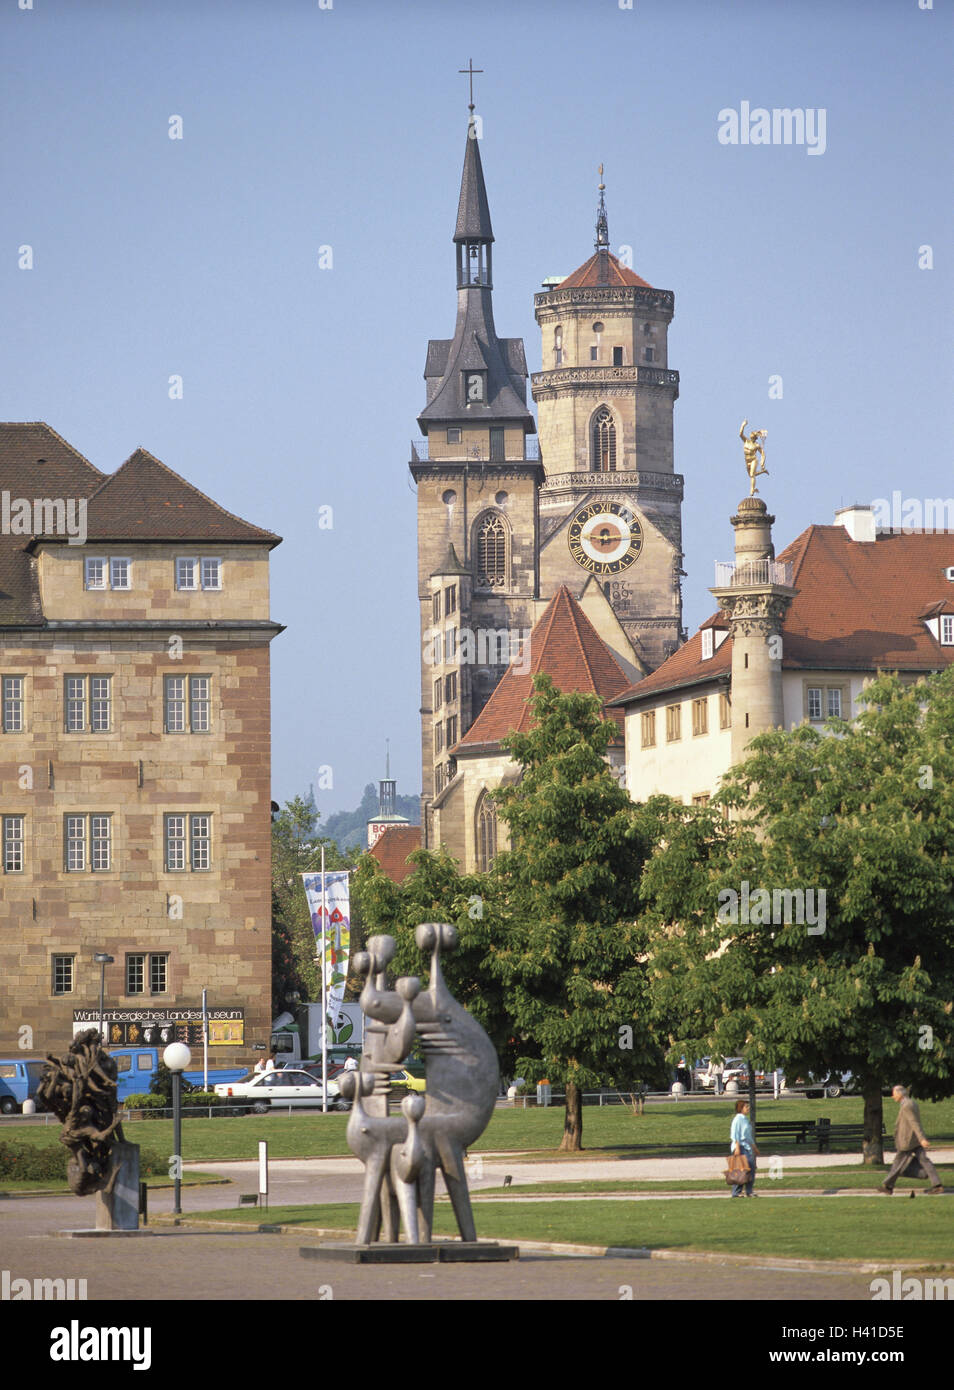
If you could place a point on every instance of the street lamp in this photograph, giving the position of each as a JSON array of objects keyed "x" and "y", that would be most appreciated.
[
  {"x": 177, "y": 1057},
  {"x": 102, "y": 960}
]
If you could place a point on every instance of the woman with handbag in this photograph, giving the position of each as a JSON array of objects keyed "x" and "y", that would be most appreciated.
[{"x": 743, "y": 1151}]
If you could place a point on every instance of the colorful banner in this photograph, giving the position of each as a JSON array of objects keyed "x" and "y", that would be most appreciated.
[{"x": 337, "y": 933}]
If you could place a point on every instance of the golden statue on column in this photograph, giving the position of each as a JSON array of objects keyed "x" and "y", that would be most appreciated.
[{"x": 754, "y": 451}]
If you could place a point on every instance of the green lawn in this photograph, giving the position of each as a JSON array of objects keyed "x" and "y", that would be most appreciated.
[
  {"x": 810, "y": 1227},
  {"x": 608, "y": 1132},
  {"x": 818, "y": 1180}
]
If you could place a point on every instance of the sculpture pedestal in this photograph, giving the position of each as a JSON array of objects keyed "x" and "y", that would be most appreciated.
[
  {"x": 438, "y": 1252},
  {"x": 118, "y": 1210}
]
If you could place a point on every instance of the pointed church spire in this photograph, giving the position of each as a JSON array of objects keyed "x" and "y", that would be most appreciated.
[{"x": 473, "y": 209}]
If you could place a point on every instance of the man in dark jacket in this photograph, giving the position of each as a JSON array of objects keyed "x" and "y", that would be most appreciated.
[{"x": 910, "y": 1144}]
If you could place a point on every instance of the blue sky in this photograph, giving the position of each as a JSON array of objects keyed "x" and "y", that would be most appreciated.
[{"x": 306, "y": 127}]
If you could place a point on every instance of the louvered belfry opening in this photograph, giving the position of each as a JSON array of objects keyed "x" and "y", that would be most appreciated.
[
  {"x": 604, "y": 442},
  {"x": 492, "y": 552}
]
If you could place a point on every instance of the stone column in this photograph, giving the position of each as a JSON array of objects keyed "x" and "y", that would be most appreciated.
[{"x": 755, "y": 601}]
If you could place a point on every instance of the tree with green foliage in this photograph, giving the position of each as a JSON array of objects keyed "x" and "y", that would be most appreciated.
[
  {"x": 860, "y": 816},
  {"x": 437, "y": 891},
  {"x": 571, "y": 955}
]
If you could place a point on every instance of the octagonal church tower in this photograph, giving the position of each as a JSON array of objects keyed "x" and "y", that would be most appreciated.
[{"x": 611, "y": 503}]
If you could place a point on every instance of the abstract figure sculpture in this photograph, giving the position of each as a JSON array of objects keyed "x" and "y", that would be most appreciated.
[
  {"x": 80, "y": 1089},
  {"x": 402, "y": 1152},
  {"x": 754, "y": 451}
]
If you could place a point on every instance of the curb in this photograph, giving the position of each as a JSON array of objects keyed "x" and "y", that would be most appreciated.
[
  {"x": 159, "y": 1187},
  {"x": 615, "y": 1252}
]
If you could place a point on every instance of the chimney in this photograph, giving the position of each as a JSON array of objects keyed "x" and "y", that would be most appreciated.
[{"x": 858, "y": 521}]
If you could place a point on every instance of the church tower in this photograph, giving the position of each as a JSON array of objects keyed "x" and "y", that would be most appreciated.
[
  {"x": 611, "y": 503},
  {"x": 477, "y": 473}
]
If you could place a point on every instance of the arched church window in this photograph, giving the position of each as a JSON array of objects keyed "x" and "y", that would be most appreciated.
[
  {"x": 485, "y": 826},
  {"x": 492, "y": 552},
  {"x": 604, "y": 441}
]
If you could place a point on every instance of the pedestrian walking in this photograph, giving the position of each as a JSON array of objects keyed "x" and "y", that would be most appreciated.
[
  {"x": 717, "y": 1070},
  {"x": 910, "y": 1145},
  {"x": 742, "y": 1141}
]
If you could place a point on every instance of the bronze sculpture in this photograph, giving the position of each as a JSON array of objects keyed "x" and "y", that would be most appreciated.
[{"x": 80, "y": 1089}]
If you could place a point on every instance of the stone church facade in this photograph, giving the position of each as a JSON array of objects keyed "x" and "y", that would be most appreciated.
[{"x": 506, "y": 518}]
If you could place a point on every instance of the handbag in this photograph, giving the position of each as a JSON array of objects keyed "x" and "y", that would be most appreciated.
[{"x": 738, "y": 1172}]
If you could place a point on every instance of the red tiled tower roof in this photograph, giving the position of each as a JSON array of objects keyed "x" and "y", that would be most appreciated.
[
  {"x": 601, "y": 269},
  {"x": 564, "y": 645}
]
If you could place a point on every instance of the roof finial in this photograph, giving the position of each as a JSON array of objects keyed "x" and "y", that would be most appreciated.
[
  {"x": 602, "y": 226},
  {"x": 470, "y": 70}
]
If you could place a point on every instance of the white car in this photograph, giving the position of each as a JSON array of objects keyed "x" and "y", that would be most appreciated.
[{"x": 281, "y": 1089}]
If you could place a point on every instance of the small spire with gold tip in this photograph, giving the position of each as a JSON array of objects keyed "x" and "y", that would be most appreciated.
[{"x": 602, "y": 226}]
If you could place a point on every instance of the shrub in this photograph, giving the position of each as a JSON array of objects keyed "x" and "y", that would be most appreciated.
[{"x": 30, "y": 1163}]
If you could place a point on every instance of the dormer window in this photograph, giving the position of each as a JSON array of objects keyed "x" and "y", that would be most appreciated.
[
  {"x": 475, "y": 388},
  {"x": 947, "y": 629},
  {"x": 708, "y": 644}
]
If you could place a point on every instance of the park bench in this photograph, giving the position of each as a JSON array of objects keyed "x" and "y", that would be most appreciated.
[
  {"x": 800, "y": 1130},
  {"x": 826, "y": 1132}
]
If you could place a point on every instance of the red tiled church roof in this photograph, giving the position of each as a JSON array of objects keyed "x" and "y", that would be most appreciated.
[
  {"x": 588, "y": 274},
  {"x": 392, "y": 848},
  {"x": 860, "y": 606},
  {"x": 564, "y": 645}
]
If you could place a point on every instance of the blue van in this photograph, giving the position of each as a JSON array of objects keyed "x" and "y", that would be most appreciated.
[
  {"x": 18, "y": 1082},
  {"x": 136, "y": 1066}
]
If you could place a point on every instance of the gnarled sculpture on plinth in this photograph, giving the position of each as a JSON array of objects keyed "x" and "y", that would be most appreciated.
[
  {"x": 81, "y": 1091},
  {"x": 402, "y": 1152}
]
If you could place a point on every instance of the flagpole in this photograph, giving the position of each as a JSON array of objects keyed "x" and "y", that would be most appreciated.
[{"x": 324, "y": 993}]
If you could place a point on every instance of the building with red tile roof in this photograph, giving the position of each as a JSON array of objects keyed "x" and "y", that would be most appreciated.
[
  {"x": 392, "y": 847},
  {"x": 840, "y": 604}
]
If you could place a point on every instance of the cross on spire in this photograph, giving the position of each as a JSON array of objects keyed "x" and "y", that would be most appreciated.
[{"x": 470, "y": 71}]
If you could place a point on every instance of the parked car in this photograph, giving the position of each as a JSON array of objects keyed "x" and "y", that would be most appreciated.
[
  {"x": 408, "y": 1079},
  {"x": 282, "y": 1088},
  {"x": 819, "y": 1084}
]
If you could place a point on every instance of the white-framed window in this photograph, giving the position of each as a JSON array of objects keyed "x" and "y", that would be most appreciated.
[
  {"x": 96, "y": 572},
  {"x": 88, "y": 839},
  {"x": 708, "y": 644},
  {"x": 814, "y": 697},
  {"x": 826, "y": 702},
  {"x": 187, "y": 573},
  {"x": 188, "y": 842},
  {"x": 187, "y": 702},
  {"x": 193, "y": 572},
  {"x": 834, "y": 703},
  {"x": 13, "y": 704},
  {"x": 64, "y": 971},
  {"x": 211, "y": 571},
  {"x": 88, "y": 702},
  {"x": 13, "y": 844},
  {"x": 120, "y": 573},
  {"x": 947, "y": 629},
  {"x": 135, "y": 974}
]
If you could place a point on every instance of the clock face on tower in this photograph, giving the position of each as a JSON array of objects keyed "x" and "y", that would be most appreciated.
[{"x": 605, "y": 538}]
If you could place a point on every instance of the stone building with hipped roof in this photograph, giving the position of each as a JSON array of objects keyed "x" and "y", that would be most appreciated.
[{"x": 134, "y": 777}]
